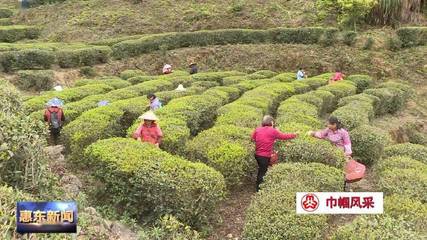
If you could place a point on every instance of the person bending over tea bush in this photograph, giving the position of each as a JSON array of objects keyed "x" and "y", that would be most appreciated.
[{"x": 336, "y": 135}]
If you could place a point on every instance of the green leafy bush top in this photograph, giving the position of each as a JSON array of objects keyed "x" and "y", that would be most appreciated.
[
  {"x": 139, "y": 174},
  {"x": 415, "y": 151}
]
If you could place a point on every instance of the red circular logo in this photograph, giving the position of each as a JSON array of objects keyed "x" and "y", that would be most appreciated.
[{"x": 310, "y": 202}]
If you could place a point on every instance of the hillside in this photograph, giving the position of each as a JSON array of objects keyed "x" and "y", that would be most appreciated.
[{"x": 98, "y": 19}]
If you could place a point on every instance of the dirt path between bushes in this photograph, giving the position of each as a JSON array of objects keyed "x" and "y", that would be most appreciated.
[{"x": 232, "y": 212}]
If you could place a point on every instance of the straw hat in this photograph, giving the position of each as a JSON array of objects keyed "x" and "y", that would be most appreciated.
[
  {"x": 148, "y": 116},
  {"x": 180, "y": 88}
]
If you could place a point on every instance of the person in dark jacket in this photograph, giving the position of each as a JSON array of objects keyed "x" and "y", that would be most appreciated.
[
  {"x": 193, "y": 68},
  {"x": 264, "y": 138}
]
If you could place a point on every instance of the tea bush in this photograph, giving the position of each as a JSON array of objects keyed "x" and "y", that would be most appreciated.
[
  {"x": 299, "y": 117},
  {"x": 141, "y": 79},
  {"x": 197, "y": 111},
  {"x": 226, "y": 148},
  {"x": 387, "y": 99},
  {"x": 35, "y": 79},
  {"x": 339, "y": 90},
  {"x": 243, "y": 115},
  {"x": 314, "y": 82},
  {"x": 128, "y": 110},
  {"x": 255, "y": 76},
  {"x": 127, "y": 74},
  {"x": 98, "y": 123},
  {"x": 408, "y": 210},
  {"x": 116, "y": 83},
  {"x": 22, "y": 142},
  {"x": 233, "y": 80},
  {"x": 362, "y": 97},
  {"x": 369, "y": 43},
  {"x": 15, "y": 33},
  {"x": 228, "y": 94},
  {"x": 296, "y": 111},
  {"x": 111, "y": 120},
  {"x": 299, "y": 87},
  {"x": 215, "y": 76},
  {"x": 349, "y": 38},
  {"x": 88, "y": 71},
  {"x": 139, "y": 174},
  {"x": 275, "y": 221},
  {"x": 325, "y": 75},
  {"x": 412, "y": 36},
  {"x": 285, "y": 77},
  {"x": 329, "y": 37},
  {"x": 407, "y": 89},
  {"x": 294, "y": 106},
  {"x": 26, "y": 59},
  {"x": 251, "y": 84},
  {"x": 328, "y": 100},
  {"x": 168, "y": 41},
  {"x": 247, "y": 111},
  {"x": 354, "y": 114},
  {"x": 368, "y": 143},
  {"x": 311, "y": 98},
  {"x": 403, "y": 179},
  {"x": 5, "y": 13},
  {"x": 166, "y": 96},
  {"x": 308, "y": 149},
  {"x": 400, "y": 162},
  {"x": 5, "y": 22},
  {"x": 189, "y": 114},
  {"x": 137, "y": 90},
  {"x": 266, "y": 73},
  {"x": 271, "y": 214},
  {"x": 90, "y": 56},
  {"x": 168, "y": 227},
  {"x": 415, "y": 133},
  {"x": 362, "y": 81},
  {"x": 67, "y": 95},
  {"x": 375, "y": 227},
  {"x": 415, "y": 151},
  {"x": 408, "y": 182}
]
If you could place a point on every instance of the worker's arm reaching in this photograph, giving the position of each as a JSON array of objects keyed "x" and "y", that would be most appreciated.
[{"x": 285, "y": 136}]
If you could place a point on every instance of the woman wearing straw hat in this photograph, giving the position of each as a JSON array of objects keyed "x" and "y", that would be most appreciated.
[{"x": 149, "y": 131}]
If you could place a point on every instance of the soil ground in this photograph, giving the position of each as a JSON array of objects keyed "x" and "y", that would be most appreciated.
[{"x": 233, "y": 211}]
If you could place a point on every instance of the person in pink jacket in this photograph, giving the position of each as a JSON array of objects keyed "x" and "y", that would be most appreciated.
[
  {"x": 338, "y": 76},
  {"x": 335, "y": 134},
  {"x": 264, "y": 138}
]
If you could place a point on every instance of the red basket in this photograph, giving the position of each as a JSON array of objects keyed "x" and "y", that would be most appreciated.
[
  {"x": 274, "y": 158},
  {"x": 354, "y": 171}
]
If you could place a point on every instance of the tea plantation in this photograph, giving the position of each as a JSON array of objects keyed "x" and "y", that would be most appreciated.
[{"x": 200, "y": 182}]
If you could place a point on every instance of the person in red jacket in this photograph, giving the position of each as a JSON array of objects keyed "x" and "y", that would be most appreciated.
[
  {"x": 54, "y": 118},
  {"x": 148, "y": 130},
  {"x": 264, "y": 138}
]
